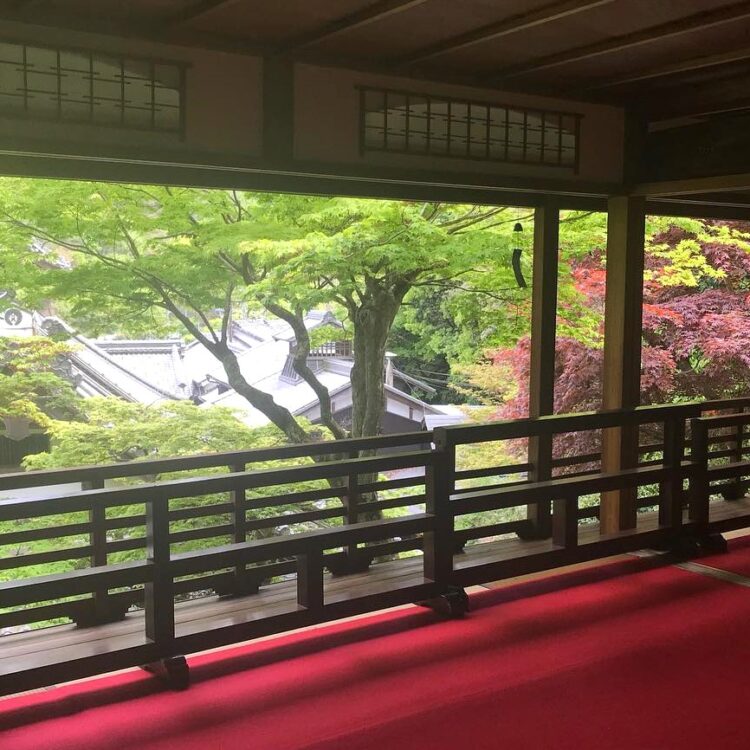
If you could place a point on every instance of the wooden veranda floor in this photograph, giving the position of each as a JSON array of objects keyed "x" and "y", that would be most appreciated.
[{"x": 72, "y": 648}]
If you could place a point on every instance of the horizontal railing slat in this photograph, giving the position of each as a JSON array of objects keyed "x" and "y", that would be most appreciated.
[
  {"x": 204, "y": 532},
  {"x": 126, "y": 545},
  {"x": 150, "y": 467},
  {"x": 729, "y": 471},
  {"x": 492, "y": 471},
  {"x": 583, "y": 421},
  {"x": 125, "y": 522},
  {"x": 49, "y": 532},
  {"x": 293, "y": 518},
  {"x": 721, "y": 421},
  {"x": 391, "y": 484},
  {"x": 294, "y": 498},
  {"x": 480, "y": 532},
  {"x": 200, "y": 511},
  {"x": 12, "y": 509},
  {"x": 294, "y": 544},
  {"x": 394, "y": 502},
  {"x": 42, "y": 558},
  {"x": 43, "y": 588},
  {"x": 533, "y": 492}
]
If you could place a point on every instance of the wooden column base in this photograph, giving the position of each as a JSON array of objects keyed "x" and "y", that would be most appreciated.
[
  {"x": 246, "y": 585},
  {"x": 733, "y": 490},
  {"x": 685, "y": 547},
  {"x": 94, "y": 613},
  {"x": 454, "y": 603},
  {"x": 173, "y": 671},
  {"x": 530, "y": 532},
  {"x": 342, "y": 563}
]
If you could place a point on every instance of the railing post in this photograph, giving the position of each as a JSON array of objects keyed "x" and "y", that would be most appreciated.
[
  {"x": 699, "y": 483},
  {"x": 439, "y": 483},
  {"x": 540, "y": 460},
  {"x": 734, "y": 490},
  {"x": 351, "y": 501},
  {"x": 671, "y": 491},
  {"x": 239, "y": 524},
  {"x": 565, "y": 522},
  {"x": 159, "y": 594},
  {"x": 310, "y": 593},
  {"x": 98, "y": 542}
]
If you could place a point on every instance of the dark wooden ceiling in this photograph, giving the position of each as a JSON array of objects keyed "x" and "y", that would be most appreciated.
[{"x": 669, "y": 59}]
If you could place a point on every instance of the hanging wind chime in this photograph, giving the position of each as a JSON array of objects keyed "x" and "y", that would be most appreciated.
[{"x": 517, "y": 251}]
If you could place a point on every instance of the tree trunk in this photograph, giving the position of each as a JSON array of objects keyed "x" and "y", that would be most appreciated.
[{"x": 372, "y": 324}]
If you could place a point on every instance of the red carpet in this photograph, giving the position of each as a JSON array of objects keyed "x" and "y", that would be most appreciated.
[
  {"x": 630, "y": 656},
  {"x": 737, "y": 560}
]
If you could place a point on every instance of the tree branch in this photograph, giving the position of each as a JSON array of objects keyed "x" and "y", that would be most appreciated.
[
  {"x": 227, "y": 314},
  {"x": 301, "y": 367}
]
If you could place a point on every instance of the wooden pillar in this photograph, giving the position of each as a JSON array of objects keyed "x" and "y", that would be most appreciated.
[
  {"x": 98, "y": 542},
  {"x": 440, "y": 483},
  {"x": 542, "y": 366},
  {"x": 159, "y": 591},
  {"x": 623, "y": 324},
  {"x": 238, "y": 498}
]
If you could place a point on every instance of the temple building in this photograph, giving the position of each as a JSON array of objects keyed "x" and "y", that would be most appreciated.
[{"x": 147, "y": 371}]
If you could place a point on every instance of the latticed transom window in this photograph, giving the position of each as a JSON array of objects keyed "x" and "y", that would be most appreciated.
[
  {"x": 81, "y": 86},
  {"x": 417, "y": 124}
]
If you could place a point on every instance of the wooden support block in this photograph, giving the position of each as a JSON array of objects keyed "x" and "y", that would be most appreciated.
[
  {"x": 346, "y": 563},
  {"x": 96, "y": 611},
  {"x": 565, "y": 522},
  {"x": 454, "y": 603},
  {"x": 310, "y": 580},
  {"x": 173, "y": 671}
]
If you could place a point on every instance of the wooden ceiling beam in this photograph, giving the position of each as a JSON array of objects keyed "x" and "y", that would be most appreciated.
[
  {"x": 703, "y": 111},
  {"x": 25, "y": 5},
  {"x": 119, "y": 30},
  {"x": 680, "y": 27},
  {"x": 193, "y": 11},
  {"x": 512, "y": 25},
  {"x": 371, "y": 14},
  {"x": 670, "y": 69},
  {"x": 715, "y": 96},
  {"x": 694, "y": 186},
  {"x": 698, "y": 209}
]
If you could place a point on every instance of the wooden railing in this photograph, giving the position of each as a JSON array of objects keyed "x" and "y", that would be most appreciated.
[
  {"x": 230, "y": 507},
  {"x": 320, "y": 506}
]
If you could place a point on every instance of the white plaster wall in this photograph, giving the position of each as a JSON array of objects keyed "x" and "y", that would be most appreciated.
[
  {"x": 223, "y": 100},
  {"x": 327, "y": 126}
]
